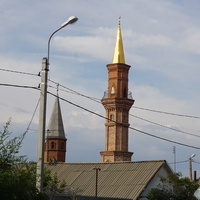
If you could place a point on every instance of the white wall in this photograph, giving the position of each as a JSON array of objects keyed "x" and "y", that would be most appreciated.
[{"x": 164, "y": 172}]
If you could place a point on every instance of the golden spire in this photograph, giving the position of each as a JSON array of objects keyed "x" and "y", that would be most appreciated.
[{"x": 119, "y": 51}]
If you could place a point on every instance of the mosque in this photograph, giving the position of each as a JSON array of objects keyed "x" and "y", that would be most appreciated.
[{"x": 116, "y": 176}]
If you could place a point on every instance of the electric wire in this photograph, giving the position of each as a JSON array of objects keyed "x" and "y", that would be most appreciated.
[
  {"x": 19, "y": 72},
  {"x": 28, "y": 128},
  {"x": 70, "y": 92},
  {"x": 27, "y": 87},
  {"x": 168, "y": 113},
  {"x": 151, "y": 110},
  {"x": 91, "y": 98},
  {"x": 137, "y": 130},
  {"x": 173, "y": 129},
  {"x": 75, "y": 92},
  {"x": 196, "y": 162},
  {"x": 161, "y": 138},
  {"x": 98, "y": 101},
  {"x": 179, "y": 162},
  {"x": 19, "y": 86}
]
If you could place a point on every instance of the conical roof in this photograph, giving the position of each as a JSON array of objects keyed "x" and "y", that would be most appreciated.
[
  {"x": 119, "y": 50},
  {"x": 55, "y": 128}
]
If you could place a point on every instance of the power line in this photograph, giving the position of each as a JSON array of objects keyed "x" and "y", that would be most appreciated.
[
  {"x": 27, "y": 87},
  {"x": 168, "y": 113},
  {"x": 75, "y": 92},
  {"x": 167, "y": 140},
  {"x": 137, "y": 130},
  {"x": 91, "y": 98},
  {"x": 19, "y": 86},
  {"x": 70, "y": 92},
  {"x": 19, "y": 72},
  {"x": 179, "y": 162},
  {"x": 151, "y": 110},
  {"x": 28, "y": 128},
  {"x": 98, "y": 100},
  {"x": 196, "y": 162},
  {"x": 165, "y": 126},
  {"x": 143, "y": 132}
]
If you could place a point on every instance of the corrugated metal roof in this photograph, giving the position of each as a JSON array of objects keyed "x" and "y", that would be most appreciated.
[{"x": 116, "y": 180}]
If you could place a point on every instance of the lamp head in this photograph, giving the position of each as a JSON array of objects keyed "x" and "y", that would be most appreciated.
[
  {"x": 193, "y": 155},
  {"x": 71, "y": 20}
]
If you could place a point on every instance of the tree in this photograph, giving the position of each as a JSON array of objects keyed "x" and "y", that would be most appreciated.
[
  {"x": 17, "y": 177},
  {"x": 174, "y": 188},
  {"x": 9, "y": 148}
]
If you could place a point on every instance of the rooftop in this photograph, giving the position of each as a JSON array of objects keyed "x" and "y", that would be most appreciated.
[{"x": 115, "y": 180}]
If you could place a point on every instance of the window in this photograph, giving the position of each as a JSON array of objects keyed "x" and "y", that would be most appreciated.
[
  {"x": 52, "y": 145},
  {"x": 112, "y": 90},
  {"x": 111, "y": 117}
]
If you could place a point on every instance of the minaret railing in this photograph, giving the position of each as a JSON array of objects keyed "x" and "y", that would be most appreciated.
[{"x": 129, "y": 96}]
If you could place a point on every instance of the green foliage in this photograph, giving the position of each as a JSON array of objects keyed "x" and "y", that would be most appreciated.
[
  {"x": 9, "y": 148},
  {"x": 52, "y": 184},
  {"x": 17, "y": 177},
  {"x": 18, "y": 183},
  {"x": 174, "y": 188}
]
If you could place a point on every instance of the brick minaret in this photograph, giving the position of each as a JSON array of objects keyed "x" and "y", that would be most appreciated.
[
  {"x": 55, "y": 144},
  {"x": 117, "y": 102}
]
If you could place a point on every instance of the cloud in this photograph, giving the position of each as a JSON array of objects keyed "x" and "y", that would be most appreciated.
[
  {"x": 83, "y": 119},
  {"x": 192, "y": 40},
  {"x": 152, "y": 40},
  {"x": 93, "y": 47},
  {"x": 161, "y": 42}
]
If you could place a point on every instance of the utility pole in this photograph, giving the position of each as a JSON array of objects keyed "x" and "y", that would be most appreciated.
[
  {"x": 42, "y": 114},
  {"x": 42, "y": 124}
]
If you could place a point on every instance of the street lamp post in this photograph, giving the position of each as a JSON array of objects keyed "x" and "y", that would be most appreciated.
[
  {"x": 190, "y": 165},
  {"x": 42, "y": 114},
  {"x": 42, "y": 123}
]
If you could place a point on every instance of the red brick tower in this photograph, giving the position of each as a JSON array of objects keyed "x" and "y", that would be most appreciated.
[
  {"x": 117, "y": 102},
  {"x": 55, "y": 144}
]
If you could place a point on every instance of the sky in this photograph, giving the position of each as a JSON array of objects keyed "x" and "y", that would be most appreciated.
[{"x": 161, "y": 41}]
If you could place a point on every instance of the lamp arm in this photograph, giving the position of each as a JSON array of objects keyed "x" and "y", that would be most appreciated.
[{"x": 50, "y": 41}]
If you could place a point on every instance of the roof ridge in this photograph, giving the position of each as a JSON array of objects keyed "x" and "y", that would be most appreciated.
[{"x": 103, "y": 163}]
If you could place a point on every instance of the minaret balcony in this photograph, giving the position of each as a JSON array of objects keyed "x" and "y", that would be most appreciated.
[{"x": 129, "y": 96}]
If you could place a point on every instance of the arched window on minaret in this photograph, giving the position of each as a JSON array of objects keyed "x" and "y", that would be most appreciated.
[
  {"x": 111, "y": 117},
  {"x": 52, "y": 145},
  {"x": 112, "y": 90}
]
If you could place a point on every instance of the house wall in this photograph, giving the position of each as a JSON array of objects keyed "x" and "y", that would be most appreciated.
[{"x": 163, "y": 171}]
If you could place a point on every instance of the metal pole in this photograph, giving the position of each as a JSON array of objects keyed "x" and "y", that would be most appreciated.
[
  {"x": 174, "y": 151},
  {"x": 42, "y": 125},
  {"x": 96, "y": 183},
  {"x": 96, "y": 188},
  {"x": 190, "y": 168},
  {"x": 42, "y": 114}
]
